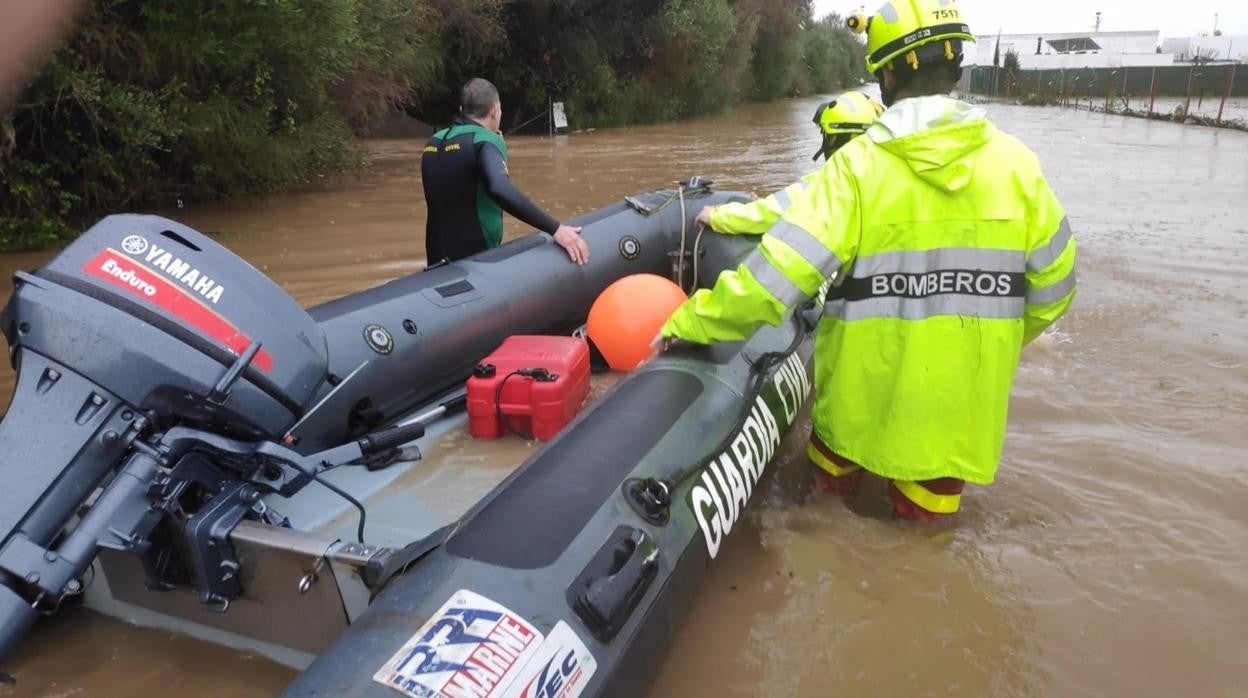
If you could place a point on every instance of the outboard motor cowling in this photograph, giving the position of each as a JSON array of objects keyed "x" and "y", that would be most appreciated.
[
  {"x": 140, "y": 326},
  {"x": 153, "y": 310}
]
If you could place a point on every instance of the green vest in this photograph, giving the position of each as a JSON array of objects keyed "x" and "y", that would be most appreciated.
[{"x": 488, "y": 213}]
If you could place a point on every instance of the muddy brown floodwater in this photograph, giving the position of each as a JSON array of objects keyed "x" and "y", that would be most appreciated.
[{"x": 1111, "y": 557}]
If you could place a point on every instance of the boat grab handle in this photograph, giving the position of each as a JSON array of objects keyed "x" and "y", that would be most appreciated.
[
  {"x": 613, "y": 583},
  {"x": 391, "y": 438}
]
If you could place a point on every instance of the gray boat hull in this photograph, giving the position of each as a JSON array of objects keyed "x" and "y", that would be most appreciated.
[
  {"x": 561, "y": 524},
  {"x": 209, "y": 435}
]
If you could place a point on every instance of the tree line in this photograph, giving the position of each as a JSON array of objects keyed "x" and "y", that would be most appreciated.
[{"x": 152, "y": 101}]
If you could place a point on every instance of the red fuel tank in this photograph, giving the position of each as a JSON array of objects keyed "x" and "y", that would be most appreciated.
[{"x": 536, "y": 383}]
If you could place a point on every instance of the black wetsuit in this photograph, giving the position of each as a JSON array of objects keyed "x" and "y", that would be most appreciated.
[{"x": 467, "y": 188}]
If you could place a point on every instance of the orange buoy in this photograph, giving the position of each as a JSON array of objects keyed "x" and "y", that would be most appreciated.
[{"x": 628, "y": 315}]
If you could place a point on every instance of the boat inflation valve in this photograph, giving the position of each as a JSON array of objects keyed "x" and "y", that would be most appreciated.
[{"x": 651, "y": 498}]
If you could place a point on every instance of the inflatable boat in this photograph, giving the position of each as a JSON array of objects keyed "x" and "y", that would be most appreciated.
[{"x": 190, "y": 449}]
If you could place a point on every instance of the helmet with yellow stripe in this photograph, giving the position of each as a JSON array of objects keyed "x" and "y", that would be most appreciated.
[
  {"x": 850, "y": 112},
  {"x": 915, "y": 31},
  {"x": 843, "y": 118}
]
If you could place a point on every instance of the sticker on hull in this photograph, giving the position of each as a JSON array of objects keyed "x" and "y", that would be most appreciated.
[
  {"x": 471, "y": 648},
  {"x": 561, "y": 668}
]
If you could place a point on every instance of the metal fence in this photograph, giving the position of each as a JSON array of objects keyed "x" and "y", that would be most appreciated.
[{"x": 1214, "y": 94}]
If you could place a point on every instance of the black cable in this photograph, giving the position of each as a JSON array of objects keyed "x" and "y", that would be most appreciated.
[
  {"x": 498, "y": 405},
  {"x": 546, "y": 114},
  {"x": 541, "y": 375},
  {"x": 359, "y": 533},
  {"x": 759, "y": 369}
]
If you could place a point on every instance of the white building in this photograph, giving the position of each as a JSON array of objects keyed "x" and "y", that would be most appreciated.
[
  {"x": 1047, "y": 51},
  {"x": 1211, "y": 48}
]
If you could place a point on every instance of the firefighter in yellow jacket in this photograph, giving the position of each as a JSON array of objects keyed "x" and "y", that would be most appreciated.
[
  {"x": 840, "y": 120},
  {"x": 955, "y": 254}
]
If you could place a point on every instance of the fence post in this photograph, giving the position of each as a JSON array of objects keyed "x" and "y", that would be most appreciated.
[
  {"x": 1230, "y": 82},
  {"x": 1187, "y": 107},
  {"x": 1126, "y": 96},
  {"x": 1152, "y": 92}
]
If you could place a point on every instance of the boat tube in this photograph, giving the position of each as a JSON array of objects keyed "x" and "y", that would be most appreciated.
[
  {"x": 181, "y": 425},
  {"x": 572, "y": 576}
]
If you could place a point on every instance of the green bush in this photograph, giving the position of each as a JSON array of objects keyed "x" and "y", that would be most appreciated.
[
  {"x": 680, "y": 58},
  {"x": 154, "y": 101},
  {"x": 777, "y": 52},
  {"x": 832, "y": 59},
  {"x": 151, "y": 102}
]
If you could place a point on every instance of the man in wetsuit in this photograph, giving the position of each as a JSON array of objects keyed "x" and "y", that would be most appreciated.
[{"x": 467, "y": 187}]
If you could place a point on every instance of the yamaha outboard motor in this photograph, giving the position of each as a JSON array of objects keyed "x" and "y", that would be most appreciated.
[
  {"x": 141, "y": 347},
  {"x": 166, "y": 387}
]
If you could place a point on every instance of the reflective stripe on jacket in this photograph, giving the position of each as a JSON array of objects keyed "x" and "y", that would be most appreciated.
[
  {"x": 756, "y": 217},
  {"x": 955, "y": 254}
]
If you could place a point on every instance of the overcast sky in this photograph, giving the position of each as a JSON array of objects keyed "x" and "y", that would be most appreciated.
[{"x": 1014, "y": 16}]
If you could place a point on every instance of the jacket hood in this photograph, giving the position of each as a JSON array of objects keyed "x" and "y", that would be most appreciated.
[{"x": 936, "y": 136}]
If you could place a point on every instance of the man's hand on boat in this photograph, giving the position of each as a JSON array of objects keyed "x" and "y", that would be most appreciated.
[{"x": 569, "y": 238}]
